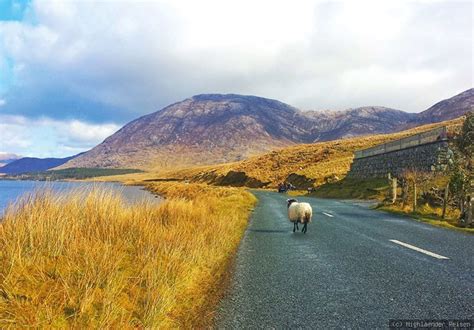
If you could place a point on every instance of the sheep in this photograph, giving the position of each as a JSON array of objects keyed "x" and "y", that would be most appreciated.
[{"x": 299, "y": 212}]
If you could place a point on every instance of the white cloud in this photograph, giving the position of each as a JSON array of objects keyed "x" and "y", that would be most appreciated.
[
  {"x": 46, "y": 137},
  {"x": 14, "y": 136},
  {"x": 7, "y": 156},
  {"x": 2, "y": 102},
  {"x": 136, "y": 57},
  {"x": 78, "y": 132},
  {"x": 90, "y": 133}
]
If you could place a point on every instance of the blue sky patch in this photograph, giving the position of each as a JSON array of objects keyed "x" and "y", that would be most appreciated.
[{"x": 13, "y": 10}]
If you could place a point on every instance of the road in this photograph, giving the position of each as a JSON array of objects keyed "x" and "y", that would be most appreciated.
[{"x": 352, "y": 269}]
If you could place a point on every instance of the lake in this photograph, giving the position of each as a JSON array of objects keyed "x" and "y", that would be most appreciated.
[{"x": 11, "y": 190}]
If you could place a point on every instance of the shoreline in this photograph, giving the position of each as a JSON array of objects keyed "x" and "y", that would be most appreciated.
[{"x": 17, "y": 189}]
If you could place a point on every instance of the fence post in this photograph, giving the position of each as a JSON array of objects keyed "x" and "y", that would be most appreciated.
[
  {"x": 445, "y": 200},
  {"x": 394, "y": 190},
  {"x": 414, "y": 195}
]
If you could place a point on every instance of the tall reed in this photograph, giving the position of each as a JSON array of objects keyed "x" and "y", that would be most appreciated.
[{"x": 87, "y": 259}]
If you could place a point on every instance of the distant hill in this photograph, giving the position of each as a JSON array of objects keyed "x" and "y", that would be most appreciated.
[
  {"x": 31, "y": 164},
  {"x": 220, "y": 128},
  {"x": 6, "y": 158}
]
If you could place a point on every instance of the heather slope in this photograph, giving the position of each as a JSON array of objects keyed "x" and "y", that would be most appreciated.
[{"x": 305, "y": 165}]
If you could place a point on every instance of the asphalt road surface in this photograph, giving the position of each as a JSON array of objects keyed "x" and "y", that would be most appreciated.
[{"x": 354, "y": 268}]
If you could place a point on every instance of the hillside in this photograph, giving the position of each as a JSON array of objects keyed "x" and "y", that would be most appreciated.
[
  {"x": 214, "y": 128},
  {"x": 305, "y": 165},
  {"x": 31, "y": 164},
  {"x": 447, "y": 109}
]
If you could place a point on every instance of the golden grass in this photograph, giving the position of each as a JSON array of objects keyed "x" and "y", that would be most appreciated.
[
  {"x": 429, "y": 214},
  {"x": 89, "y": 260},
  {"x": 317, "y": 161},
  {"x": 373, "y": 189}
]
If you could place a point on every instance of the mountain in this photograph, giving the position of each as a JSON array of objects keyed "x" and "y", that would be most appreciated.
[
  {"x": 30, "y": 164},
  {"x": 6, "y": 158},
  {"x": 219, "y": 128},
  {"x": 203, "y": 129},
  {"x": 358, "y": 121},
  {"x": 451, "y": 108}
]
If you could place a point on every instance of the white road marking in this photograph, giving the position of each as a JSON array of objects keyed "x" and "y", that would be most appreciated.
[
  {"x": 431, "y": 254},
  {"x": 329, "y": 215}
]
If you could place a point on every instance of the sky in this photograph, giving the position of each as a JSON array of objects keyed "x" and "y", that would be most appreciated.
[{"x": 74, "y": 72}]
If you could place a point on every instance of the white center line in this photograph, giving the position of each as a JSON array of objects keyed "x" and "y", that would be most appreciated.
[
  {"x": 431, "y": 254},
  {"x": 329, "y": 215}
]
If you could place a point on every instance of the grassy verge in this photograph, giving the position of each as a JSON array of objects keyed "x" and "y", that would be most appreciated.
[
  {"x": 428, "y": 215},
  {"x": 377, "y": 189},
  {"x": 89, "y": 260},
  {"x": 354, "y": 189}
]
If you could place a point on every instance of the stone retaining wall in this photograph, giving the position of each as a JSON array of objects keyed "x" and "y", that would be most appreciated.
[{"x": 426, "y": 153}]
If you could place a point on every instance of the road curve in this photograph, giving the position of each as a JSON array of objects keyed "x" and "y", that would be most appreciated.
[{"x": 347, "y": 271}]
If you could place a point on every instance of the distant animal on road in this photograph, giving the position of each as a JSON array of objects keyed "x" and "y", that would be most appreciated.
[
  {"x": 299, "y": 213},
  {"x": 284, "y": 187}
]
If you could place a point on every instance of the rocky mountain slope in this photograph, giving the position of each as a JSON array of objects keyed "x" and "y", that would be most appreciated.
[
  {"x": 358, "y": 121},
  {"x": 216, "y": 128},
  {"x": 203, "y": 129},
  {"x": 447, "y": 109}
]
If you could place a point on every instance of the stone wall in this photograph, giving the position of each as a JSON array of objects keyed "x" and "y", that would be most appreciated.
[{"x": 413, "y": 153}]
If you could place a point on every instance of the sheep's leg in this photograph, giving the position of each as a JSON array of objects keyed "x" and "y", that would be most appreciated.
[
  {"x": 294, "y": 226},
  {"x": 297, "y": 228},
  {"x": 305, "y": 228}
]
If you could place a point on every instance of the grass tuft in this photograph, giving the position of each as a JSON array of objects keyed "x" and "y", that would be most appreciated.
[{"x": 87, "y": 259}]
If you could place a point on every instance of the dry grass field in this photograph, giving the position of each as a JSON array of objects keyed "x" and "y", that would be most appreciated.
[
  {"x": 309, "y": 164},
  {"x": 88, "y": 260}
]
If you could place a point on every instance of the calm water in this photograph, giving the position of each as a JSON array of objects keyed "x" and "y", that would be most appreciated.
[{"x": 10, "y": 191}]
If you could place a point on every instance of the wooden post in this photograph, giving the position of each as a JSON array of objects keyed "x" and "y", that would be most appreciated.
[
  {"x": 404, "y": 192},
  {"x": 394, "y": 190},
  {"x": 414, "y": 196},
  {"x": 470, "y": 215},
  {"x": 445, "y": 200}
]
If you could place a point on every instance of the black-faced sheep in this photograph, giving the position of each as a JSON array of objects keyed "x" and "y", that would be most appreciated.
[{"x": 299, "y": 213}]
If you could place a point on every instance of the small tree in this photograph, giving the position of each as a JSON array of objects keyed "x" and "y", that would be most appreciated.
[
  {"x": 414, "y": 182},
  {"x": 461, "y": 181}
]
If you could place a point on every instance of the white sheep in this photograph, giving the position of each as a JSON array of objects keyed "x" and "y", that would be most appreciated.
[{"x": 299, "y": 213}]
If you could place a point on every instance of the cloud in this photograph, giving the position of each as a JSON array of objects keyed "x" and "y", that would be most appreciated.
[
  {"x": 2, "y": 102},
  {"x": 4, "y": 156},
  {"x": 87, "y": 133},
  {"x": 46, "y": 137},
  {"x": 125, "y": 59}
]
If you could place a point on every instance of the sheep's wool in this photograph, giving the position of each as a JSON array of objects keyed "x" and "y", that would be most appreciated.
[{"x": 300, "y": 212}]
